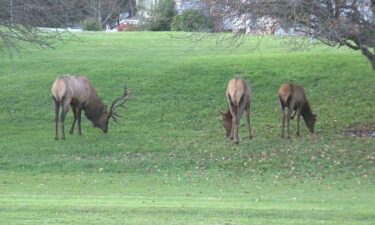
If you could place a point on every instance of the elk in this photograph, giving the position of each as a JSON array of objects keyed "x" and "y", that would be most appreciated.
[
  {"x": 239, "y": 98},
  {"x": 294, "y": 98},
  {"x": 80, "y": 94}
]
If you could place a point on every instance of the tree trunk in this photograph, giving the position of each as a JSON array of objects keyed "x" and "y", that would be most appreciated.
[
  {"x": 371, "y": 56},
  {"x": 373, "y": 63},
  {"x": 100, "y": 10},
  {"x": 11, "y": 11}
]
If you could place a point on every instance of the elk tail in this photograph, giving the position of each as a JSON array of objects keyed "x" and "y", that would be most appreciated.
[
  {"x": 286, "y": 98},
  {"x": 58, "y": 90},
  {"x": 285, "y": 94},
  {"x": 236, "y": 101},
  {"x": 238, "y": 97},
  {"x": 233, "y": 104},
  {"x": 281, "y": 101}
]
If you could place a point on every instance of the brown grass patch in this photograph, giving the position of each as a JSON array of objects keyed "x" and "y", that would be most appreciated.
[{"x": 361, "y": 131}]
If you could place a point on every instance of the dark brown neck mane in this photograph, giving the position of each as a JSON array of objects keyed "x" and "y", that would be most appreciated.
[
  {"x": 306, "y": 112},
  {"x": 93, "y": 108}
]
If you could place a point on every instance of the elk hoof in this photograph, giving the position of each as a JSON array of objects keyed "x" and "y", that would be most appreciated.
[
  {"x": 56, "y": 138},
  {"x": 71, "y": 132},
  {"x": 236, "y": 142},
  {"x": 289, "y": 137},
  {"x": 251, "y": 137}
]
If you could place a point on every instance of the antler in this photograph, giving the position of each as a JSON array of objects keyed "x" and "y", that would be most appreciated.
[{"x": 118, "y": 102}]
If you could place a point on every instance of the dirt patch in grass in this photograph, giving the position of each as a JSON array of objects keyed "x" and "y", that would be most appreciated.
[{"x": 361, "y": 131}]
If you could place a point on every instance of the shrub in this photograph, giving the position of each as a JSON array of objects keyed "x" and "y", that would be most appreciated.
[
  {"x": 192, "y": 20},
  {"x": 161, "y": 16},
  {"x": 91, "y": 25}
]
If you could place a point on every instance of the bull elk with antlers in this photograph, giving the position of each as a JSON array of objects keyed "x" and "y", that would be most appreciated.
[{"x": 79, "y": 93}]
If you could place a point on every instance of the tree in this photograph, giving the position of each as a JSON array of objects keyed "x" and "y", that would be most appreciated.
[
  {"x": 25, "y": 21},
  {"x": 20, "y": 21},
  {"x": 108, "y": 10},
  {"x": 338, "y": 23},
  {"x": 191, "y": 20},
  {"x": 161, "y": 16}
]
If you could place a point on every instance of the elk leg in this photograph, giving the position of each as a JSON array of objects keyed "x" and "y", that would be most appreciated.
[
  {"x": 231, "y": 136},
  {"x": 294, "y": 114},
  {"x": 235, "y": 129},
  {"x": 74, "y": 109},
  {"x": 283, "y": 124},
  {"x": 282, "y": 119},
  {"x": 233, "y": 112},
  {"x": 291, "y": 106},
  {"x": 288, "y": 122},
  {"x": 248, "y": 121},
  {"x": 298, "y": 119},
  {"x": 57, "y": 108},
  {"x": 64, "y": 111},
  {"x": 79, "y": 110},
  {"x": 237, "y": 123}
]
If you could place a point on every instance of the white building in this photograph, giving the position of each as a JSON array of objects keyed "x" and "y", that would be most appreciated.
[{"x": 181, "y": 5}]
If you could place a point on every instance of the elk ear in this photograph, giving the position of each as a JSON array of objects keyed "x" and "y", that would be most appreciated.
[{"x": 222, "y": 114}]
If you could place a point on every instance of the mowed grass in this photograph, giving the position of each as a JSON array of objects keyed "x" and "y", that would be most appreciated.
[{"x": 168, "y": 161}]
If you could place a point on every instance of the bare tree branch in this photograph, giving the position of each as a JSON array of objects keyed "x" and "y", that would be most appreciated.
[
  {"x": 333, "y": 22},
  {"x": 20, "y": 22},
  {"x": 104, "y": 10},
  {"x": 24, "y": 21}
]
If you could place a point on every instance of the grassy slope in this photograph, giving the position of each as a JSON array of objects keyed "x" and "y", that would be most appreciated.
[{"x": 170, "y": 149}]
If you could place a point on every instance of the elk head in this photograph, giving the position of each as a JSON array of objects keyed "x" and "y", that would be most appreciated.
[
  {"x": 112, "y": 113},
  {"x": 310, "y": 122},
  {"x": 226, "y": 121}
]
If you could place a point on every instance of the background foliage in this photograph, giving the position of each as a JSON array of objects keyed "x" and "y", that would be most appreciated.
[
  {"x": 192, "y": 20},
  {"x": 161, "y": 16},
  {"x": 91, "y": 25}
]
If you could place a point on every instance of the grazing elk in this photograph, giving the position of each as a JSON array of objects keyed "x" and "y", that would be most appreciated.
[
  {"x": 294, "y": 98},
  {"x": 239, "y": 98},
  {"x": 78, "y": 92}
]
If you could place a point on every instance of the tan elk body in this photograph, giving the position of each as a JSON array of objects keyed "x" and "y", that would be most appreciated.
[
  {"x": 79, "y": 93},
  {"x": 293, "y": 97},
  {"x": 239, "y": 98}
]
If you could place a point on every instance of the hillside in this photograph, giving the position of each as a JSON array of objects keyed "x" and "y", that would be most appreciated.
[{"x": 169, "y": 156}]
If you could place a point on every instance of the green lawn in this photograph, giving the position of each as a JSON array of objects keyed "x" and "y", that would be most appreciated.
[{"x": 168, "y": 161}]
